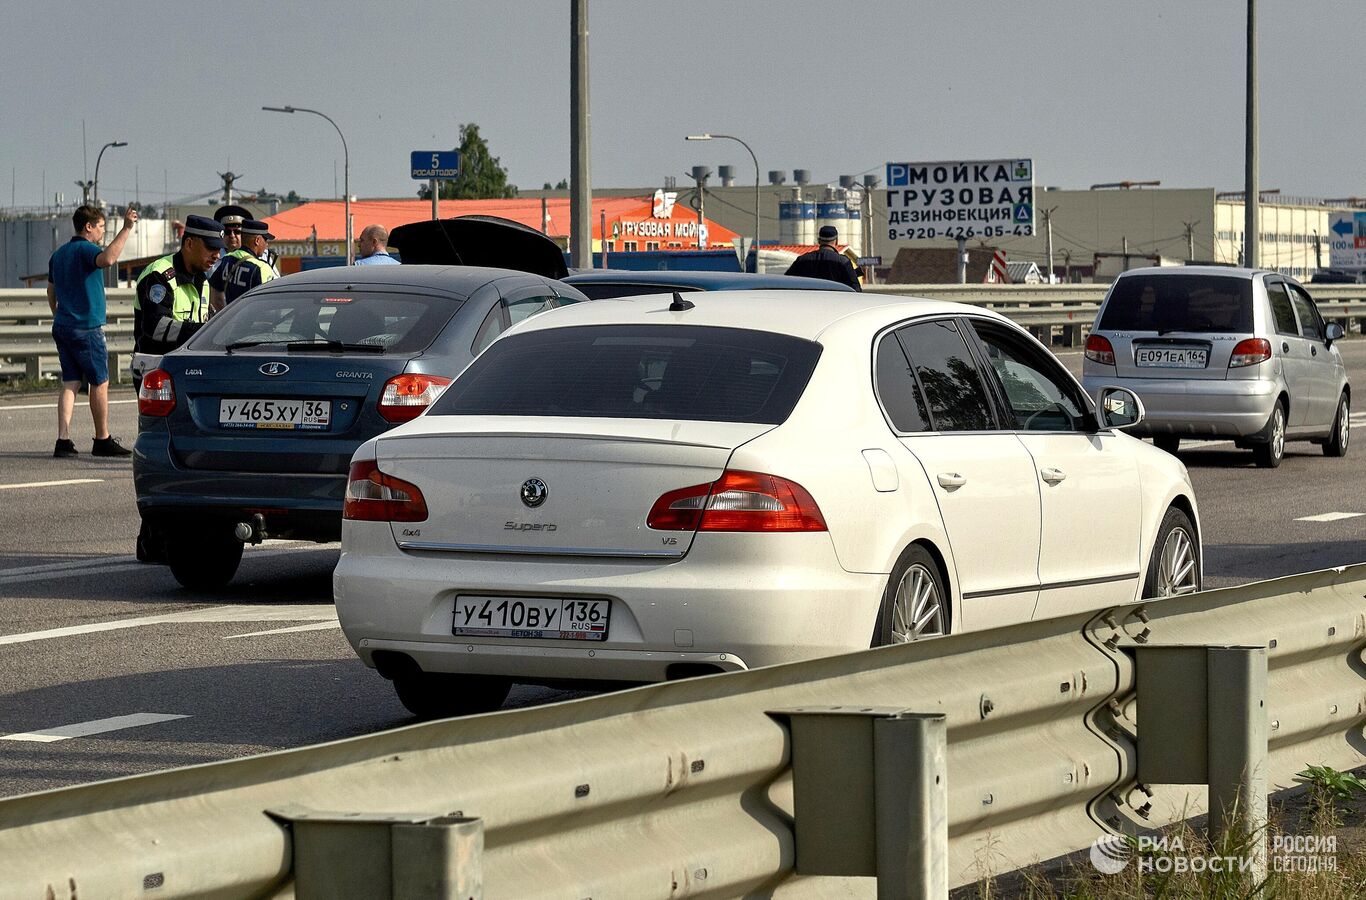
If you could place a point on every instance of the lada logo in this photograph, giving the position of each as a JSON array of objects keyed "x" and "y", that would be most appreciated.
[
  {"x": 273, "y": 368},
  {"x": 534, "y": 492}
]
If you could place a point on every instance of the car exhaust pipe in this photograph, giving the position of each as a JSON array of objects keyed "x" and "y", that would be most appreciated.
[{"x": 253, "y": 532}]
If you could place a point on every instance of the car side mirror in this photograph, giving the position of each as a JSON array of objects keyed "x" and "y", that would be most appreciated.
[
  {"x": 1119, "y": 408},
  {"x": 1332, "y": 333}
]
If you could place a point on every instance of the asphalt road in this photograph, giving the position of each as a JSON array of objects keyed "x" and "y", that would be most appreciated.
[{"x": 108, "y": 668}]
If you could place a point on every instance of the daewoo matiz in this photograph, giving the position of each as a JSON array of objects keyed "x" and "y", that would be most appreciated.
[{"x": 660, "y": 487}]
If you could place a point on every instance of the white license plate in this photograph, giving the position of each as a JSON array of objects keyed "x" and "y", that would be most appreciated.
[
  {"x": 552, "y": 618},
  {"x": 288, "y": 415},
  {"x": 1173, "y": 357}
]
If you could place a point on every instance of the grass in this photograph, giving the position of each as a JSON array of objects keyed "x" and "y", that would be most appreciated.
[{"x": 1334, "y": 806}]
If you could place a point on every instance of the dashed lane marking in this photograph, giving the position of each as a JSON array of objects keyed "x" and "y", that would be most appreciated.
[
  {"x": 95, "y": 726},
  {"x": 1329, "y": 517},
  {"x": 316, "y": 626},
  {"x": 43, "y": 484},
  {"x": 282, "y": 613},
  {"x": 110, "y": 564}
]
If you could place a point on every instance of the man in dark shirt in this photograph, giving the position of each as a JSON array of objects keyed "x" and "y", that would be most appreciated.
[
  {"x": 173, "y": 291},
  {"x": 826, "y": 262},
  {"x": 75, "y": 294}
]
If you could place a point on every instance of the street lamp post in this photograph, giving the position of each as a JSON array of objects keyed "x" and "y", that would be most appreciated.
[
  {"x": 731, "y": 137},
  {"x": 346, "y": 170},
  {"x": 96, "y": 190}
]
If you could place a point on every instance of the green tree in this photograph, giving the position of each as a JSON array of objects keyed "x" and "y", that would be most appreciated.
[{"x": 481, "y": 175}]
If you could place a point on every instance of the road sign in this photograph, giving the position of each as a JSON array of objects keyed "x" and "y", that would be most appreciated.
[
  {"x": 960, "y": 199},
  {"x": 742, "y": 247},
  {"x": 1347, "y": 240},
  {"x": 438, "y": 164}
]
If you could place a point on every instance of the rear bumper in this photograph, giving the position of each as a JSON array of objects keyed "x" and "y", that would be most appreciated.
[
  {"x": 1197, "y": 408},
  {"x": 295, "y": 506},
  {"x": 734, "y": 602}
]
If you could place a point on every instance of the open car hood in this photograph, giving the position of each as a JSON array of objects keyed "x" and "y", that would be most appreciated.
[{"x": 479, "y": 241}]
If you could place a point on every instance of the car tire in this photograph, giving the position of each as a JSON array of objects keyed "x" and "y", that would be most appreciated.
[
  {"x": 1268, "y": 455},
  {"x": 203, "y": 562},
  {"x": 1168, "y": 442},
  {"x": 440, "y": 695},
  {"x": 915, "y": 604},
  {"x": 1336, "y": 445},
  {"x": 1174, "y": 565}
]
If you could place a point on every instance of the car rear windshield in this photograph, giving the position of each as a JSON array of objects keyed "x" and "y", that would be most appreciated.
[
  {"x": 1165, "y": 303},
  {"x": 611, "y": 290},
  {"x": 398, "y": 322},
  {"x": 637, "y": 372}
]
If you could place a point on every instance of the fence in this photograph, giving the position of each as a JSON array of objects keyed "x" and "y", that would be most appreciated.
[
  {"x": 1056, "y": 314},
  {"x": 767, "y": 782}
]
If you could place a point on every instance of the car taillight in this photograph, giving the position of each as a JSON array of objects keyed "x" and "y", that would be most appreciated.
[
  {"x": 156, "y": 396},
  {"x": 372, "y": 496},
  {"x": 1098, "y": 349},
  {"x": 1250, "y": 352},
  {"x": 738, "y": 501},
  {"x": 405, "y": 396}
]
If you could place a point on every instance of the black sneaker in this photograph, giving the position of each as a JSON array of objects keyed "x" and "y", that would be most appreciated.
[
  {"x": 65, "y": 448},
  {"x": 109, "y": 446}
]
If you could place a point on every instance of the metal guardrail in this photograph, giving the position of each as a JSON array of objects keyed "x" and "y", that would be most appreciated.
[
  {"x": 687, "y": 788},
  {"x": 1069, "y": 309}
]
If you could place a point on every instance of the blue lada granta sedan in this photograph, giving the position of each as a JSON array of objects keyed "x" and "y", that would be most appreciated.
[{"x": 246, "y": 432}]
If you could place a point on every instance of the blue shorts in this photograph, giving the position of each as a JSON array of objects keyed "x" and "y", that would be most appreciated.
[{"x": 83, "y": 354}]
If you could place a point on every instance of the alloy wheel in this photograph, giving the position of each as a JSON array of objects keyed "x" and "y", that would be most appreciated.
[
  {"x": 1278, "y": 434},
  {"x": 918, "y": 611},
  {"x": 1176, "y": 572},
  {"x": 1344, "y": 423}
]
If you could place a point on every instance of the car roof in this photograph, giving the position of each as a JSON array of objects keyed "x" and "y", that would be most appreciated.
[
  {"x": 703, "y": 281},
  {"x": 1222, "y": 271},
  {"x": 455, "y": 280},
  {"x": 803, "y": 314}
]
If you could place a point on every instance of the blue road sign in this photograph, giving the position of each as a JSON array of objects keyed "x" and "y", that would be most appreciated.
[
  {"x": 1342, "y": 227},
  {"x": 439, "y": 164}
]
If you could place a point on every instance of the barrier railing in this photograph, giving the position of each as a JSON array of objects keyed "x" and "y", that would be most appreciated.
[{"x": 687, "y": 788}]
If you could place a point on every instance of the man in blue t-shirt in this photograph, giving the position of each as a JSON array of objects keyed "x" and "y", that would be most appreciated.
[{"x": 75, "y": 293}]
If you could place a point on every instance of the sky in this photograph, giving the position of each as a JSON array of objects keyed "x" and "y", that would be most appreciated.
[{"x": 1092, "y": 90}]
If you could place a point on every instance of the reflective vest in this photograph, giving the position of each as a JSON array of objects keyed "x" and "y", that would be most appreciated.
[
  {"x": 189, "y": 304},
  {"x": 236, "y": 273}
]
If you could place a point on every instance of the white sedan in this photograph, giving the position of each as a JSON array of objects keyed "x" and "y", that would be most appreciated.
[{"x": 655, "y": 488}]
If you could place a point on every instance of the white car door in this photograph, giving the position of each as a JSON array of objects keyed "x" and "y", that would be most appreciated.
[
  {"x": 1089, "y": 552},
  {"x": 982, "y": 478},
  {"x": 1323, "y": 363},
  {"x": 1294, "y": 352}
]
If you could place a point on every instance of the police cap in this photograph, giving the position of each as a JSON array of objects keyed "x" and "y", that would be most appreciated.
[
  {"x": 206, "y": 229},
  {"x": 231, "y": 215},
  {"x": 253, "y": 226}
]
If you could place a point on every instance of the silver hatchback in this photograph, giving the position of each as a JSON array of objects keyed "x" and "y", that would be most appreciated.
[{"x": 1217, "y": 353}]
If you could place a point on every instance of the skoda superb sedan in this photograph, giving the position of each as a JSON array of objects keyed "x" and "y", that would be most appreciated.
[
  {"x": 661, "y": 487},
  {"x": 246, "y": 432}
]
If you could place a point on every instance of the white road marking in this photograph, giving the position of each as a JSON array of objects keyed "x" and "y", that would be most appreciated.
[
  {"x": 1329, "y": 517},
  {"x": 108, "y": 564},
  {"x": 41, "y": 484},
  {"x": 282, "y": 613},
  {"x": 54, "y": 406},
  {"x": 316, "y": 626},
  {"x": 96, "y": 726}
]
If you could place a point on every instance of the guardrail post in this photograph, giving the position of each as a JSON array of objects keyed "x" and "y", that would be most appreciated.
[
  {"x": 1202, "y": 719},
  {"x": 385, "y": 857},
  {"x": 870, "y": 792}
]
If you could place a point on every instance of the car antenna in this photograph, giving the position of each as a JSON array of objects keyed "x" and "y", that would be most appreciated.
[{"x": 679, "y": 304}]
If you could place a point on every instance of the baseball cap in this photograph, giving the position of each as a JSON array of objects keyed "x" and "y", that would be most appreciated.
[{"x": 828, "y": 233}]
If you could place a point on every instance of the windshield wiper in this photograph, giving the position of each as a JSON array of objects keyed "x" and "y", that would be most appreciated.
[
  {"x": 238, "y": 345},
  {"x": 323, "y": 345}
]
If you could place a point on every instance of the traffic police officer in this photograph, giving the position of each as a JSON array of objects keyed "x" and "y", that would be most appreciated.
[
  {"x": 826, "y": 261},
  {"x": 231, "y": 218},
  {"x": 172, "y": 292},
  {"x": 245, "y": 269}
]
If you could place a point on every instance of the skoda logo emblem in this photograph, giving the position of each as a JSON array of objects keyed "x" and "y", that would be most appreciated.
[
  {"x": 534, "y": 492},
  {"x": 274, "y": 368}
]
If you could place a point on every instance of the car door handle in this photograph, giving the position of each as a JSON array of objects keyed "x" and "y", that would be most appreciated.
[
  {"x": 1052, "y": 476},
  {"x": 951, "y": 480},
  {"x": 1313, "y": 351},
  {"x": 1285, "y": 346}
]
